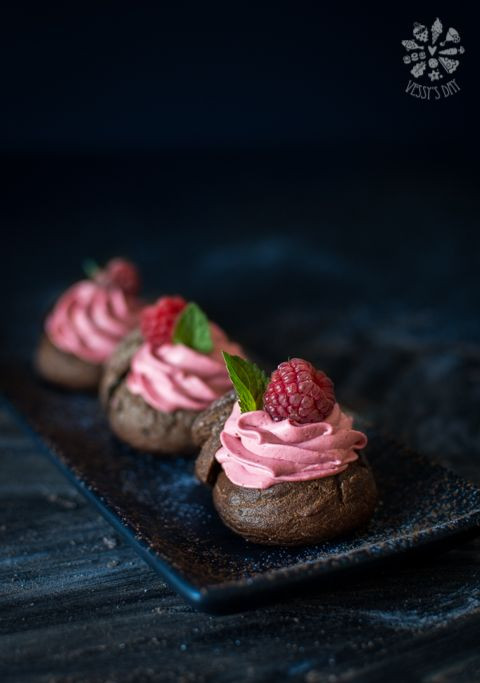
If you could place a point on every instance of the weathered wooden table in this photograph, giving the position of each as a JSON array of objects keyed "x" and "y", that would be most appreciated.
[{"x": 77, "y": 604}]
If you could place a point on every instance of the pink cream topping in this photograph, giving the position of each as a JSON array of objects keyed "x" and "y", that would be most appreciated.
[
  {"x": 89, "y": 320},
  {"x": 257, "y": 452},
  {"x": 173, "y": 377}
]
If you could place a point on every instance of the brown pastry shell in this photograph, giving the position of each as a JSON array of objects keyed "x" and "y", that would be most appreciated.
[
  {"x": 289, "y": 513},
  {"x": 65, "y": 369},
  {"x": 135, "y": 421}
]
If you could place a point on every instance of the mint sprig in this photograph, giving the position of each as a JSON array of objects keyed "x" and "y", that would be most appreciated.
[
  {"x": 248, "y": 381},
  {"x": 90, "y": 268},
  {"x": 193, "y": 329}
]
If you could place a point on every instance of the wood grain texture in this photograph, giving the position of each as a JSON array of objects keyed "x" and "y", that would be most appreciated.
[{"x": 76, "y": 604}]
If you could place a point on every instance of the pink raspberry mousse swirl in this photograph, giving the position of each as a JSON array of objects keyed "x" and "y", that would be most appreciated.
[
  {"x": 173, "y": 377},
  {"x": 257, "y": 452},
  {"x": 89, "y": 320}
]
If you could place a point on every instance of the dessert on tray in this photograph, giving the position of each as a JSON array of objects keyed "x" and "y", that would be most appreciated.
[
  {"x": 86, "y": 324},
  {"x": 163, "y": 375},
  {"x": 282, "y": 457}
]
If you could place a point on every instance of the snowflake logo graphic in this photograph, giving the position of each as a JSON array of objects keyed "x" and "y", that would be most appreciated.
[{"x": 432, "y": 52}]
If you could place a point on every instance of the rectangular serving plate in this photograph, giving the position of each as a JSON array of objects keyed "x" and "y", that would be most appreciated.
[{"x": 168, "y": 517}]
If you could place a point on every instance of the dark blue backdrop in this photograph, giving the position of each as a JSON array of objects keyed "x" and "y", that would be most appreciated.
[
  {"x": 256, "y": 154},
  {"x": 147, "y": 76}
]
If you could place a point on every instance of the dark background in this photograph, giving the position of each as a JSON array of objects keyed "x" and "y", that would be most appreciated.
[
  {"x": 149, "y": 77},
  {"x": 238, "y": 150}
]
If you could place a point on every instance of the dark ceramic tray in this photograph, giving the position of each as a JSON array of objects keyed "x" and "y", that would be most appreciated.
[{"x": 158, "y": 506}]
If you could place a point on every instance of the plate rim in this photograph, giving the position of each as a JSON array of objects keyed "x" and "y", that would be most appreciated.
[{"x": 221, "y": 598}]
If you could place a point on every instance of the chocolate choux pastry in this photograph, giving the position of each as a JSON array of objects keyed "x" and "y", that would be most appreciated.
[
  {"x": 163, "y": 375},
  {"x": 281, "y": 457},
  {"x": 86, "y": 324}
]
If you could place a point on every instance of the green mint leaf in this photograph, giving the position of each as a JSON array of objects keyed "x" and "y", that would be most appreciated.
[
  {"x": 90, "y": 268},
  {"x": 248, "y": 380},
  {"x": 193, "y": 329}
]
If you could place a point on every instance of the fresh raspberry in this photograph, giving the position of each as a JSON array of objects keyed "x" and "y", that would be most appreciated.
[
  {"x": 300, "y": 392},
  {"x": 124, "y": 274},
  {"x": 119, "y": 273},
  {"x": 157, "y": 322}
]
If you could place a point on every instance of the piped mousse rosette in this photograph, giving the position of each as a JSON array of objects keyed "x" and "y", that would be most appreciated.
[
  {"x": 87, "y": 323},
  {"x": 282, "y": 457},
  {"x": 163, "y": 375}
]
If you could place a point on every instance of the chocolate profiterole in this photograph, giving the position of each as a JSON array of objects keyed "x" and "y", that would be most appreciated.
[
  {"x": 163, "y": 375},
  {"x": 282, "y": 457},
  {"x": 86, "y": 324}
]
